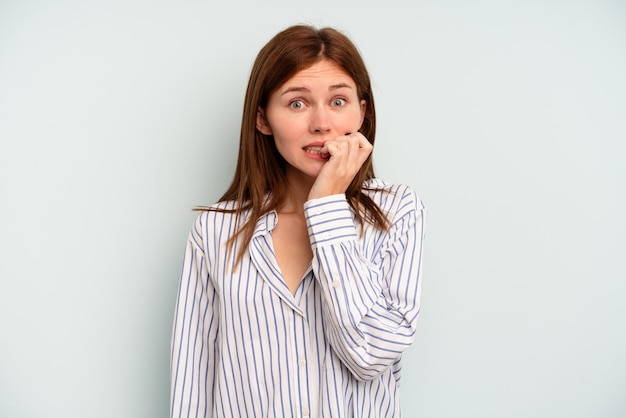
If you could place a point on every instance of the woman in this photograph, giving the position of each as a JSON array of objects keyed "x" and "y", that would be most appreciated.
[{"x": 300, "y": 288}]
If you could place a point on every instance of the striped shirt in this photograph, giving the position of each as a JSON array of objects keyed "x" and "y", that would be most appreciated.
[{"x": 244, "y": 346}]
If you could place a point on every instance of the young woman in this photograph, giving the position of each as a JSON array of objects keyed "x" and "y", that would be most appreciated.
[{"x": 300, "y": 288}]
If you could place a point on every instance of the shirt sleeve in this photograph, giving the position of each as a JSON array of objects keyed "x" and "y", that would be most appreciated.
[
  {"x": 194, "y": 334},
  {"x": 370, "y": 305}
]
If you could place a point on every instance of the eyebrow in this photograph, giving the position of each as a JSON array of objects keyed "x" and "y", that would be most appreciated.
[{"x": 306, "y": 90}]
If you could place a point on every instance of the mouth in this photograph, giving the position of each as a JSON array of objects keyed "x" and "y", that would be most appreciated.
[
  {"x": 313, "y": 149},
  {"x": 316, "y": 151}
]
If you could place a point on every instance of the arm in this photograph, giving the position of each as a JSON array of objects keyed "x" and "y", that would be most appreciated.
[
  {"x": 371, "y": 306},
  {"x": 194, "y": 335}
]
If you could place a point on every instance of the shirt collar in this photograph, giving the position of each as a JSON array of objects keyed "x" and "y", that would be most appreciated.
[{"x": 265, "y": 223}]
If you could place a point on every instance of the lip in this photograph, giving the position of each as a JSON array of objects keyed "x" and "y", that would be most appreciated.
[
  {"x": 314, "y": 154},
  {"x": 314, "y": 144}
]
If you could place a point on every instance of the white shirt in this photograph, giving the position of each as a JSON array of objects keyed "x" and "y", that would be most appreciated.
[{"x": 244, "y": 346}]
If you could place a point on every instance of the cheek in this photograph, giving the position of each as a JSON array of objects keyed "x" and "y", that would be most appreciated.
[
  {"x": 284, "y": 133},
  {"x": 285, "y": 126},
  {"x": 351, "y": 121}
]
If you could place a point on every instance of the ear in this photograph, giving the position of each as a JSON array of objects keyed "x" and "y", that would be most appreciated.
[
  {"x": 363, "y": 108},
  {"x": 261, "y": 123}
]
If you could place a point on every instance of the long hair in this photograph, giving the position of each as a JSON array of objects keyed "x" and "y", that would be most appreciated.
[{"x": 260, "y": 184}]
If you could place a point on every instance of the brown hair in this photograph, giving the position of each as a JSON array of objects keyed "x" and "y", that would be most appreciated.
[{"x": 259, "y": 184}]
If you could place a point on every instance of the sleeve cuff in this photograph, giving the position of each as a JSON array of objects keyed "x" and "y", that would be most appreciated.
[{"x": 329, "y": 220}]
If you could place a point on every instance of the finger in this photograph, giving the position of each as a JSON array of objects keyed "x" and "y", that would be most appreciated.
[
  {"x": 359, "y": 138},
  {"x": 358, "y": 146},
  {"x": 354, "y": 149},
  {"x": 350, "y": 145},
  {"x": 333, "y": 148},
  {"x": 363, "y": 141}
]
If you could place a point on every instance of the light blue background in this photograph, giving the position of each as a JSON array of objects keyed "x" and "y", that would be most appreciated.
[{"x": 508, "y": 118}]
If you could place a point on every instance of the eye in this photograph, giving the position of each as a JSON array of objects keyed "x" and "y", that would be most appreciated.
[
  {"x": 338, "y": 102},
  {"x": 296, "y": 104}
]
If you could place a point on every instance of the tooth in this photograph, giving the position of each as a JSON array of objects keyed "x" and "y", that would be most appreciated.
[{"x": 313, "y": 150}]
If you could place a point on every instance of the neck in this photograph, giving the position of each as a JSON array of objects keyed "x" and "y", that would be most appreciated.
[{"x": 299, "y": 187}]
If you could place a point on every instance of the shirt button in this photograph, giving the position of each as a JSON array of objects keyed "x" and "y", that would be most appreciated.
[
  {"x": 302, "y": 362},
  {"x": 335, "y": 284},
  {"x": 305, "y": 411}
]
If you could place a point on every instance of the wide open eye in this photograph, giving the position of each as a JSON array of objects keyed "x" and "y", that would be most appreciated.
[
  {"x": 338, "y": 102},
  {"x": 296, "y": 104}
]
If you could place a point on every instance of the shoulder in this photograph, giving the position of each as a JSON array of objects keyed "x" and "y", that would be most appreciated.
[
  {"x": 219, "y": 218},
  {"x": 396, "y": 200}
]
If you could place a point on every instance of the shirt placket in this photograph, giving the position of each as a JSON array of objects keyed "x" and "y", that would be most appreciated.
[{"x": 302, "y": 370}]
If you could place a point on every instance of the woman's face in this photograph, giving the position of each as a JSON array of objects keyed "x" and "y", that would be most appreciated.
[{"x": 316, "y": 104}]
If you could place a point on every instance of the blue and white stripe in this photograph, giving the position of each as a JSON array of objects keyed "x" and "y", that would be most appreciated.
[{"x": 244, "y": 346}]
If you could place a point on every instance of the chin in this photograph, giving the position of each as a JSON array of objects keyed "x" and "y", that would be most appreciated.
[
  {"x": 309, "y": 173},
  {"x": 313, "y": 173}
]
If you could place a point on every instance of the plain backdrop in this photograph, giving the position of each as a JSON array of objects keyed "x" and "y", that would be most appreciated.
[{"x": 507, "y": 117}]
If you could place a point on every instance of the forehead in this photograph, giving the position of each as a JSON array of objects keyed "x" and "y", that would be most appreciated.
[{"x": 322, "y": 72}]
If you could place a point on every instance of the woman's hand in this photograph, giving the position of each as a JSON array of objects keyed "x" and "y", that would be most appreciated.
[{"x": 346, "y": 154}]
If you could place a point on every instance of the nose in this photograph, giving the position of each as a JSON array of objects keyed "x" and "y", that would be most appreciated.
[{"x": 320, "y": 121}]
